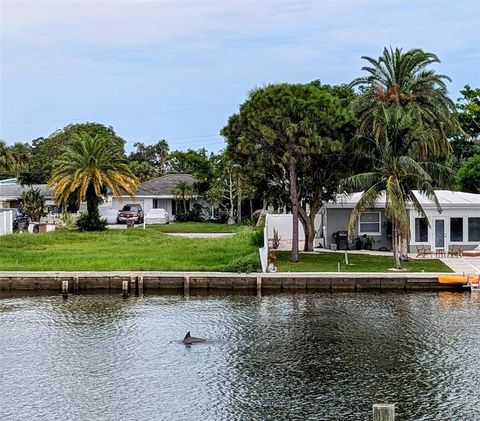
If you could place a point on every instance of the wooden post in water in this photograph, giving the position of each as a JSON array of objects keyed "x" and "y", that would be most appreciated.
[
  {"x": 384, "y": 412},
  {"x": 133, "y": 283},
  {"x": 75, "y": 283},
  {"x": 125, "y": 288},
  {"x": 186, "y": 286},
  {"x": 140, "y": 286},
  {"x": 65, "y": 287},
  {"x": 259, "y": 285}
]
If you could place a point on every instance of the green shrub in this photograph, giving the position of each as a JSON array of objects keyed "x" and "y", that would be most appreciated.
[
  {"x": 91, "y": 223},
  {"x": 257, "y": 238},
  {"x": 245, "y": 264}
]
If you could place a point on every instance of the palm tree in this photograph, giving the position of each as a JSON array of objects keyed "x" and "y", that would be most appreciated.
[
  {"x": 183, "y": 191},
  {"x": 405, "y": 115},
  {"x": 162, "y": 149},
  {"x": 88, "y": 167},
  {"x": 6, "y": 158},
  {"x": 396, "y": 173}
]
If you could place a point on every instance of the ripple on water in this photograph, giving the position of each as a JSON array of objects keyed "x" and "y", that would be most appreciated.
[{"x": 311, "y": 356}]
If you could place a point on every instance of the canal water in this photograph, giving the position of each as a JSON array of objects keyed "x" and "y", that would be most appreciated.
[{"x": 275, "y": 357}]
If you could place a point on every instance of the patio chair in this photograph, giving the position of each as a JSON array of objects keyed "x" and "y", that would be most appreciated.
[
  {"x": 455, "y": 250},
  {"x": 422, "y": 251}
]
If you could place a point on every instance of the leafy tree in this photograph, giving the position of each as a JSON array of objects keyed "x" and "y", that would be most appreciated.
[
  {"x": 197, "y": 163},
  {"x": 47, "y": 150},
  {"x": 469, "y": 175},
  {"x": 88, "y": 167},
  {"x": 154, "y": 156},
  {"x": 33, "y": 203},
  {"x": 226, "y": 188},
  {"x": 280, "y": 130},
  {"x": 144, "y": 171},
  {"x": 467, "y": 143},
  {"x": 406, "y": 117}
]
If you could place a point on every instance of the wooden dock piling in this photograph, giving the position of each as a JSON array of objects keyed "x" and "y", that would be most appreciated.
[
  {"x": 125, "y": 288},
  {"x": 384, "y": 412},
  {"x": 140, "y": 285}
]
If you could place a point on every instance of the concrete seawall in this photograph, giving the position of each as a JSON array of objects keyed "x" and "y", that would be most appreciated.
[{"x": 185, "y": 281}]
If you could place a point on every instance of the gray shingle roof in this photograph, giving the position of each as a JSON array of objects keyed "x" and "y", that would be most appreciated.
[
  {"x": 163, "y": 186},
  {"x": 14, "y": 191}
]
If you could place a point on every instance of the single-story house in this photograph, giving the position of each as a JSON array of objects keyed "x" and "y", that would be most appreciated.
[
  {"x": 457, "y": 222},
  {"x": 158, "y": 194},
  {"x": 11, "y": 194}
]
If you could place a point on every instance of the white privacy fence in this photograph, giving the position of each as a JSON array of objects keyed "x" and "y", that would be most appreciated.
[
  {"x": 6, "y": 223},
  {"x": 282, "y": 224}
]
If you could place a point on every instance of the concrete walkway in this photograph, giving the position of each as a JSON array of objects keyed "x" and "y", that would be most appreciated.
[
  {"x": 467, "y": 265},
  {"x": 200, "y": 234}
]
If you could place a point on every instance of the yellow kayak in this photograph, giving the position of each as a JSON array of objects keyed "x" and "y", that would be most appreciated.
[{"x": 457, "y": 279}]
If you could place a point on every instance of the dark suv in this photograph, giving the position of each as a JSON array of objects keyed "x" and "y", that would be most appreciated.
[
  {"x": 130, "y": 212},
  {"x": 20, "y": 219}
]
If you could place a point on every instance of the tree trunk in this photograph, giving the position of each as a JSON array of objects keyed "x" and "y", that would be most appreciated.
[
  {"x": 308, "y": 222},
  {"x": 396, "y": 250},
  {"x": 403, "y": 248},
  {"x": 231, "y": 220},
  {"x": 184, "y": 206},
  {"x": 294, "y": 199},
  {"x": 92, "y": 201},
  {"x": 251, "y": 208},
  {"x": 239, "y": 203}
]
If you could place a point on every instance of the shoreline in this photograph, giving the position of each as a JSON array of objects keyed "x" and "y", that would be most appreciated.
[{"x": 138, "y": 281}]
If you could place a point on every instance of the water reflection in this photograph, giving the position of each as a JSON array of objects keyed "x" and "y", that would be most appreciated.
[{"x": 306, "y": 356}]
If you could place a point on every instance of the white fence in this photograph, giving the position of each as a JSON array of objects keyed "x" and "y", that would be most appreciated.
[
  {"x": 6, "y": 223},
  {"x": 282, "y": 223}
]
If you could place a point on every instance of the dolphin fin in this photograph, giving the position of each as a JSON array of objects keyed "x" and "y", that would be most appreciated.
[{"x": 187, "y": 335}]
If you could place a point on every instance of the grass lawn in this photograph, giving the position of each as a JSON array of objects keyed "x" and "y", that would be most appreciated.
[
  {"x": 133, "y": 249},
  {"x": 328, "y": 262},
  {"x": 186, "y": 227}
]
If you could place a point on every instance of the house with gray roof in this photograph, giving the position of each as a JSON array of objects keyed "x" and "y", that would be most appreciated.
[
  {"x": 158, "y": 194},
  {"x": 11, "y": 193},
  {"x": 455, "y": 222}
]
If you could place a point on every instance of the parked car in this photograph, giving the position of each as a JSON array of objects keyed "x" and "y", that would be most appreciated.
[
  {"x": 130, "y": 212},
  {"x": 157, "y": 216},
  {"x": 20, "y": 219},
  {"x": 110, "y": 214}
]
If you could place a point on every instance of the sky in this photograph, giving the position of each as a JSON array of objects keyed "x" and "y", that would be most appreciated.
[{"x": 178, "y": 70}]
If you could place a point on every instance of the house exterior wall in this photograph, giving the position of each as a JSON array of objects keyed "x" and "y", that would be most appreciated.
[
  {"x": 146, "y": 203},
  {"x": 445, "y": 216},
  {"x": 337, "y": 220}
]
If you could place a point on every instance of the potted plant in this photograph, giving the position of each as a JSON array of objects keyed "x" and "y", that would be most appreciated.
[{"x": 367, "y": 242}]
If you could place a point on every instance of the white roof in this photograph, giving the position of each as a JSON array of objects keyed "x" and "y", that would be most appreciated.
[{"x": 447, "y": 199}]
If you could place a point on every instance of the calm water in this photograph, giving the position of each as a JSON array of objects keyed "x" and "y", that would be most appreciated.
[{"x": 279, "y": 357}]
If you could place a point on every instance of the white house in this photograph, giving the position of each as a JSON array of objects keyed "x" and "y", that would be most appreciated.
[
  {"x": 457, "y": 222},
  {"x": 11, "y": 194},
  {"x": 158, "y": 194}
]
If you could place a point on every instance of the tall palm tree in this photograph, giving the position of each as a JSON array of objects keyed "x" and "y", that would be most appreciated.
[
  {"x": 88, "y": 167},
  {"x": 162, "y": 149},
  {"x": 183, "y": 191},
  {"x": 405, "y": 117}
]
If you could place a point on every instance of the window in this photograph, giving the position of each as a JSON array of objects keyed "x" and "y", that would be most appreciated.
[
  {"x": 421, "y": 230},
  {"x": 369, "y": 223},
  {"x": 473, "y": 229},
  {"x": 456, "y": 229}
]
